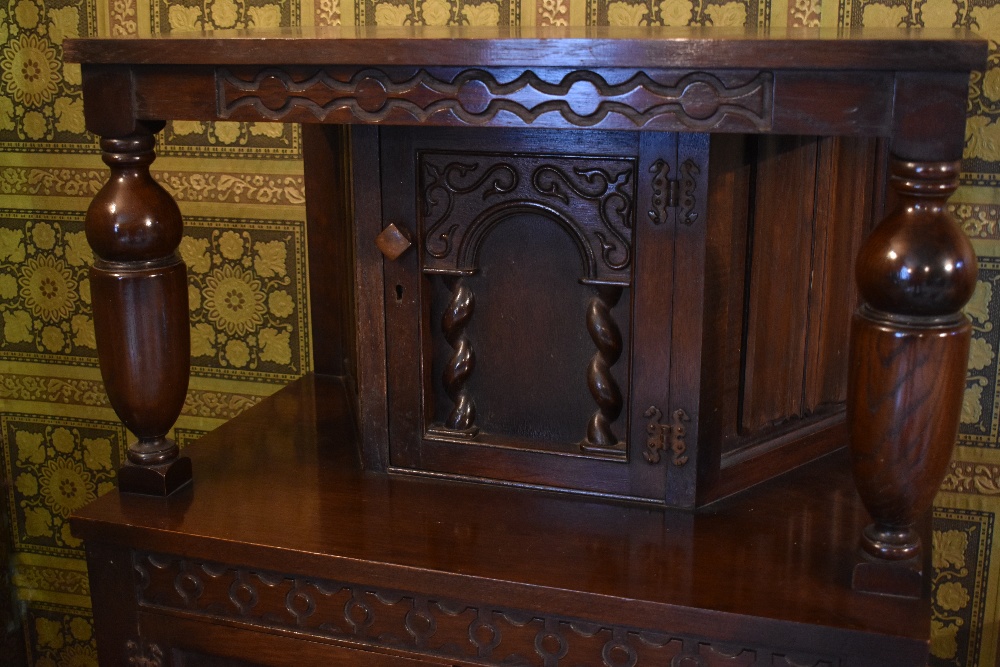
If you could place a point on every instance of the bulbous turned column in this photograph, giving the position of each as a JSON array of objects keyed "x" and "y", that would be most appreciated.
[
  {"x": 139, "y": 295},
  {"x": 908, "y": 357}
]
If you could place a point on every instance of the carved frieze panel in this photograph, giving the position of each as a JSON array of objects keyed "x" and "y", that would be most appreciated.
[
  {"x": 453, "y": 629},
  {"x": 464, "y": 195},
  {"x": 692, "y": 101}
]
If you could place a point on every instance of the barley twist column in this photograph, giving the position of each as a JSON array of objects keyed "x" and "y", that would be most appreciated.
[
  {"x": 462, "y": 362},
  {"x": 607, "y": 338}
]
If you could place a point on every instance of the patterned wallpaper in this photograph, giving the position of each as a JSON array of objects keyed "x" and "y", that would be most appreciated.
[{"x": 240, "y": 189}]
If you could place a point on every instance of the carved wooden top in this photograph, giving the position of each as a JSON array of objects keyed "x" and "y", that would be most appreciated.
[{"x": 586, "y": 47}]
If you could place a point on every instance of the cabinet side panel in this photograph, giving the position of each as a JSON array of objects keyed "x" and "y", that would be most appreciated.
[
  {"x": 330, "y": 220},
  {"x": 844, "y": 200},
  {"x": 370, "y": 311},
  {"x": 729, "y": 193},
  {"x": 794, "y": 311},
  {"x": 779, "y": 275}
]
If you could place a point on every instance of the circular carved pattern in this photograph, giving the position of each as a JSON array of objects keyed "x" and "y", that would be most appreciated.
[
  {"x": 273, "y": 92},
  {"x": 420, "y": 625},
  {"x": 189, "y": 587},
  {"x": 687, "y": 661},
  {"x": 474, "y": 96},
  {"x": 243, "y": 595},
  {"x": 617, "y": 653},
  {"x": 584, "y": 98},
  {"x": 358, "y": 614},
  {"x": 484, "y": 635},
  {"x": 700, "y": 100},
  {"x": 551, "y": 645},
  {"x": 299, "y": 603},
  {"x": 371, "y": 94}
]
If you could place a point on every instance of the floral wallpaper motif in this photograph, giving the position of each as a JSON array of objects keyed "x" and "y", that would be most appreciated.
[
  {"x": 240, "y": 188},
  {"x": 61, "y": 636},
  {"x": 196, "y": 15},
  {"x": 41, "y": 100},
  {"x": 443, "y": 12},
  {"x": 961, "y": 546},
  {"x": 44, "y": 288},
  {"x": 979, "y": 421},
  {"x": 242, "y": 292},
  {"x": 673, "y": 12},
  {"x": 56, "y": 466}
]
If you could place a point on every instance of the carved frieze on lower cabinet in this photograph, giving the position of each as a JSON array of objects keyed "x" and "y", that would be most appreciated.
[{"x": 464, "y": 630}]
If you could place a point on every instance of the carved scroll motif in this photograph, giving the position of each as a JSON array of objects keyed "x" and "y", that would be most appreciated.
[
  {"x": 697, "y": 101},
  {"x": 464, "y": 630},
  {"x": 465, "y": 195},
  {"x": 443, "y": 184},
  {"x": 608, "y": 338}
]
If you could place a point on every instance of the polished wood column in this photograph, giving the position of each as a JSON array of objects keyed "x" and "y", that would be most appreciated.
[
  {"x": 909, "y": 338},
  {"x": 139, "y": 291},
  {"x": 910, "y": 345}
]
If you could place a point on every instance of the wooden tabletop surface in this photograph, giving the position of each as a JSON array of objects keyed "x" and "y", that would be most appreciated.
[
  {"x": 280, "y": 488},
  {"x": 592, "y": 46}
]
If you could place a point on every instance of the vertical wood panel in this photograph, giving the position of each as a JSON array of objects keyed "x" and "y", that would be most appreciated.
[
  {"x": 730, "y": 170},
  {"x": 690, "y": 230},
  {"x": 653, "y": 276},
  {"x": 845, "y": 185},
  {"x": 330, "y": 230},
  {"x": 780, "y": 266},
  {"x": 368, "y": 281}
]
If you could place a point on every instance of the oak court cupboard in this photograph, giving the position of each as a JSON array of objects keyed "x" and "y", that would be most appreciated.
[{"x": 582, "y": 301}]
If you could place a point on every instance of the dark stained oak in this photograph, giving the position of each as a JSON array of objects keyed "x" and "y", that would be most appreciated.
[
  {"x": 134, "y": 227},
  {"x": 576, "y": 46},
  {"x": 610, "y": 263},
  {"x": 910, "y": 343},
  {"x": 762, "y": 574}
]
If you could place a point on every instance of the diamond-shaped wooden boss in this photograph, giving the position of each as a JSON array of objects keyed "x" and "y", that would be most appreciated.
[{"x": 393, "y": 241}]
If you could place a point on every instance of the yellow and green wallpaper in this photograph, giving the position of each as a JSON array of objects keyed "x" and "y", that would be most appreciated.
[{"x": 240, "y": 188}]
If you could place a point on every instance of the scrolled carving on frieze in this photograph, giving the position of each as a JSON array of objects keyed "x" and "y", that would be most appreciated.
[
  {"x": 464, "y": 195},
  {"x": 465, "y": 630},
  {"x": 696, "y": 101}
]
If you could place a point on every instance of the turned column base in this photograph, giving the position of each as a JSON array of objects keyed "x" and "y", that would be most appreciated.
[
  {"x": 155, "y": 480},
  {"x": 899, "y": 578}
]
